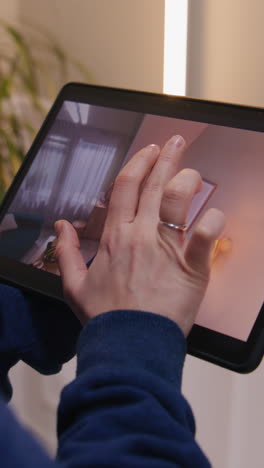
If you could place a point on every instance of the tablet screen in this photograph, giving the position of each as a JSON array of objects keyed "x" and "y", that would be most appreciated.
[{"x": 72, "y": 174}]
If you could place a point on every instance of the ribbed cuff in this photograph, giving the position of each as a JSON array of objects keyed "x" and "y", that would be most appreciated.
[{"x": 133, "y": 339}]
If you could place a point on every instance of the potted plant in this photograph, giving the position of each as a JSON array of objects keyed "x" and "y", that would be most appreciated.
[{"x": 32, "y": 69}]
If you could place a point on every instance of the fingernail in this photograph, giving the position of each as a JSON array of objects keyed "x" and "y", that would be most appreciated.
[
  {"x": 178, "y": 141},
  {"x": 58, "y": 227},
  {"x": 153, "y": 147}
]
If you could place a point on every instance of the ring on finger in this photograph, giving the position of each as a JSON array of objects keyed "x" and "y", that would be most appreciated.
[{"x": 176, "y": 227}]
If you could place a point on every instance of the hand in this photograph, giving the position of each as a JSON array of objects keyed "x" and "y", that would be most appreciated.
[{"x": 142, "y": 264}]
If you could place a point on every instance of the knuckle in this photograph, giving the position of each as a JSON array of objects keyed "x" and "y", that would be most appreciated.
[
  {"x": 175, "y": 194},
  {"x": 111, "y": 241},
  {"x": 183, "y": 186},
  {"x": 152, "y": 186},
  {"x": 135, "y": 243},
  {"x": 166, "y": 155},
  {"x": 104, "y": 245},
  {"x": 123, "y": 180},
  {"x": 141, "y": 242},
  {"x": 136, "y": 250}
]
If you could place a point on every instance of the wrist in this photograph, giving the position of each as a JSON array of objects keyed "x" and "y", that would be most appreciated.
[{"x": 132, "y": 338}]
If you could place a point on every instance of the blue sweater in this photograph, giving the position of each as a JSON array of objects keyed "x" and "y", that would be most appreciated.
[{"x": 125, "y": 407}]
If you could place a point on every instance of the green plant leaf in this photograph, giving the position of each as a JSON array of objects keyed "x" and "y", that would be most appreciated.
[
  {"x": 5, "y": 87},
  {"x": 29, "y": 69}
]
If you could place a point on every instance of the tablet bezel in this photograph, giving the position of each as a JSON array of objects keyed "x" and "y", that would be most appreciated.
[{"x": 215, "y": 347}]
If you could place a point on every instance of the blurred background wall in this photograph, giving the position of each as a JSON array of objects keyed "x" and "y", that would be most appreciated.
[
  {"x": 225, "y": 59},
  {"x": 121, "y": 41},
  {"x": 9, "y": 10}
]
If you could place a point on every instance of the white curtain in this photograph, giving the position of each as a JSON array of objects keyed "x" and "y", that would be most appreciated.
[
  {"x": 38, "y": 184},
  {"x": 63, "y": 184},
  {"x": 89, "y": 166}
]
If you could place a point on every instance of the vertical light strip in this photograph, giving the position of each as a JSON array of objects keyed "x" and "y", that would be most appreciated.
[{"x": 175, "y": 47}]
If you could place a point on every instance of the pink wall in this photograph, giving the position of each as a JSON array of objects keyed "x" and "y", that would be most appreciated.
[
  {"x": 234, "y": 160},
  {"x": 155, "y": 130}
]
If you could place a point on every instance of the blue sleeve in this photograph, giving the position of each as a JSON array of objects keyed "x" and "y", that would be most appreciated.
[
  {"x": 38, "y": 330},
  {"x": 125, "y": 407}
]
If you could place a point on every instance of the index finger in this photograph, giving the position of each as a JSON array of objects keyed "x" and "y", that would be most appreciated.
[
  {"x": 124, "y": 199},
  {"x": 165, "y": 168}
]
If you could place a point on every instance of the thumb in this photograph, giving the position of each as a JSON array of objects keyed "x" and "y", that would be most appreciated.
[{"x": 71, "y": 264}]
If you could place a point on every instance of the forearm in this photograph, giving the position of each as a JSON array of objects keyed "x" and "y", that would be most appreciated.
[
  {"x": 34, "y": 329},
  {"x": 125, "y": 408}
]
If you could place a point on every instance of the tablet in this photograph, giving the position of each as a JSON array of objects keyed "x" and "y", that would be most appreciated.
[{"x": 88, "y": 135}]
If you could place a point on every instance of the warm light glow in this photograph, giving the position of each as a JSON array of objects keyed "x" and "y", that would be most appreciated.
[
  {"x": 222, "y": 246},
  {"x": 175, "y": 47}
]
